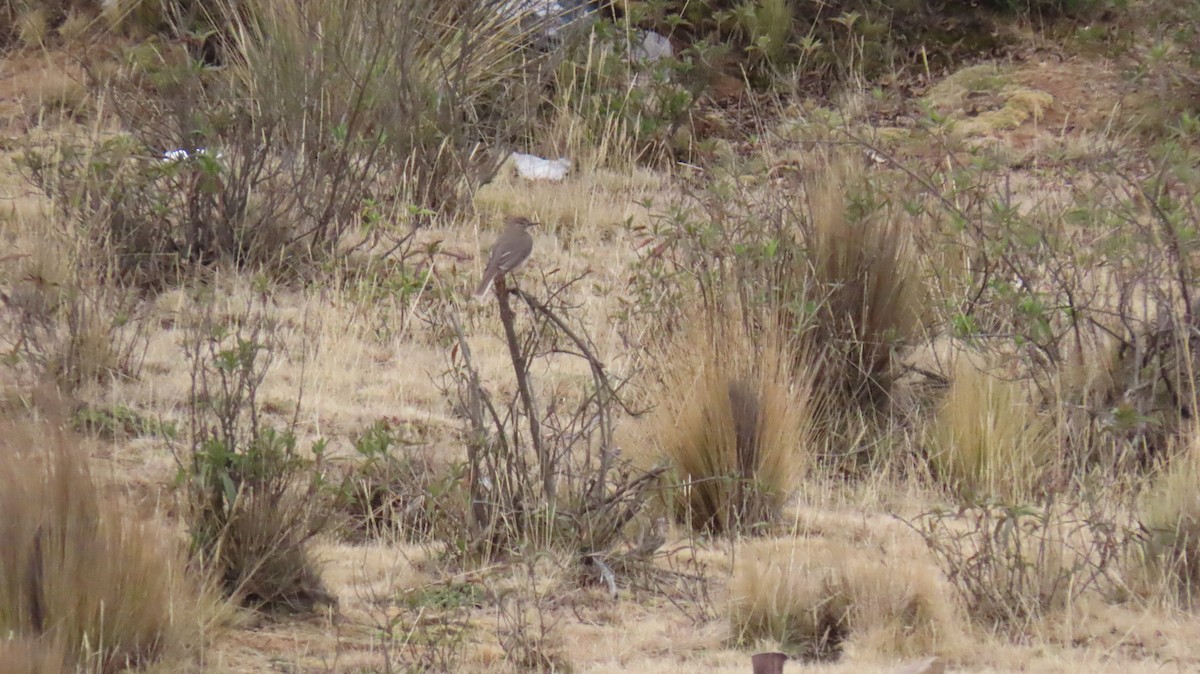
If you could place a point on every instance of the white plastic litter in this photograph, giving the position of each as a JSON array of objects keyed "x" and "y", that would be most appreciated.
[
  {"x": 532, "y": 167},
  {"x": 550, "y": 16},
  {"x": 649, "y": 46},
  {"x": 180, "y": 155}
]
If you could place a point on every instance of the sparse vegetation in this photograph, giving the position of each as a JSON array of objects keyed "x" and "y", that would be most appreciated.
[
  {"x": 863, "y": 330},
  {"x": 1013, "y": 564},
  {"x": 254, "y": 501}
]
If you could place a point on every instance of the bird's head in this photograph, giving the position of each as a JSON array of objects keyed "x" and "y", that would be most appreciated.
[{"x": 521, "y": 221}]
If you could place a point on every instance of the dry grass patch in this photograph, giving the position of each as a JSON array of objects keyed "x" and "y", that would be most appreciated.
[
  {"x": 864, "y": 273},
  {"x": 735, "y": 427},
  {"x": 1171, "y": 517},
  {"x": 986, "y": 440},
  {"x": 75, "y": 570},
  {"x": 819, "y": 596}
]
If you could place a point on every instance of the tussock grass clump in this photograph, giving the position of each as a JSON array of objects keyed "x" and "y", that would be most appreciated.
[
  {"x": 262, "y": 554},
  {"x": 1171, "y": 517},
  {"x": 864, "y": 284},
  {"x": 736, "y": 429},
  {"x": 819, "y": 596},
  {"x": 75, "y": 571},
  {"x": 986, "y": 440}
]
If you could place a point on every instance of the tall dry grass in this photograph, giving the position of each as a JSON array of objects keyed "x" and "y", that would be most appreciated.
[
  {"x": 428, "y": 85},
  {"x": 1170, "y": 515},
  {"x": 734, "y": 423},
  {"x": 821, "y": 595},
  {"x": 987, "y": 439},
  {"x": 77, "y": 571},
  {"x": 863, "y": 281}
]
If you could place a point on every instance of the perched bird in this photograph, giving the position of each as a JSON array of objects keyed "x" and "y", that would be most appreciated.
[{"x": 511, "y": 250}]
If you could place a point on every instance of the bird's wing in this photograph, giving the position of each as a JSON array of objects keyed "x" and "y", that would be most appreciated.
[
  {"x": 511, "y": 256},
  {"x": 503, "y": 259}
]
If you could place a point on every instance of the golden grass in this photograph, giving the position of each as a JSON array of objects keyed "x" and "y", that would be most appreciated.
[
  {"x": 30, "y": 655},
  {"x": 359, "y": 358},
  {"x": 868, "y": 293},
  {"x": 823, "y": 595},
  {"x": 987, "y": 440},
  {"x": 734, "y": 424},
  {"x": 1171, "y": 516},
  {"x": 76, "y": 570}
]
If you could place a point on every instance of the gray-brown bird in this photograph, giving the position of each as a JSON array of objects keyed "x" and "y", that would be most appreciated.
[{"x": 511, "y": 250}]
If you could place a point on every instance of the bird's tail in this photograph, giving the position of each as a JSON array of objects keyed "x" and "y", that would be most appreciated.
[{"x": 485, "y": 284}]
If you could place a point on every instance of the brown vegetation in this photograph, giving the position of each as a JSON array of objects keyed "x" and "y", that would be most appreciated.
[
  {"x": 853, "y": 331},
  {"x": 80, "y": 576}
]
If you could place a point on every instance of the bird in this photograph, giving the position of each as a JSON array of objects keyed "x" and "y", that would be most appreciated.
[{"x": 511, "y": 250}]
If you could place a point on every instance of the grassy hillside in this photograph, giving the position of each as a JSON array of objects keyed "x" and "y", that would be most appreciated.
[{"x": 860, "y": 331}]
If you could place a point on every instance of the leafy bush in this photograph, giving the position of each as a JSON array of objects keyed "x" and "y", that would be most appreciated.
[
  {"x": 76, "y": 572},
  {"x": 255, "y": 500}
]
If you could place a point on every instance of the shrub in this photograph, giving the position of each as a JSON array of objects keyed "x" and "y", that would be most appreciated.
[
  {"x": 255, "y": 500},
  {"x": 734, "y": 425},
  {"x": 397, "y": 492},
  {"x": 617, "y": 105},
  {"x": 75, "y": 571},
  {"x": 326, "y": 119},
  {"x": 814, "y": 595},
  {"x": 1012, "y": 564},
  {"x": 60, "y": 326},
  {"x": 986, "y": 439},
  {"x": 1170, "y": 516},
  {"x": 825, "y": 42}
]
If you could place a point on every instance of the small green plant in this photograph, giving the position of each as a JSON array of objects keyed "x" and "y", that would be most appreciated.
[
  {"x": 445, "y": 596},
  {"x": 110, "y": 422},
  {"x": 396, "y": 491},
  {"x": 255, "y": 500},
  {"x": 429, "y": 630}
]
